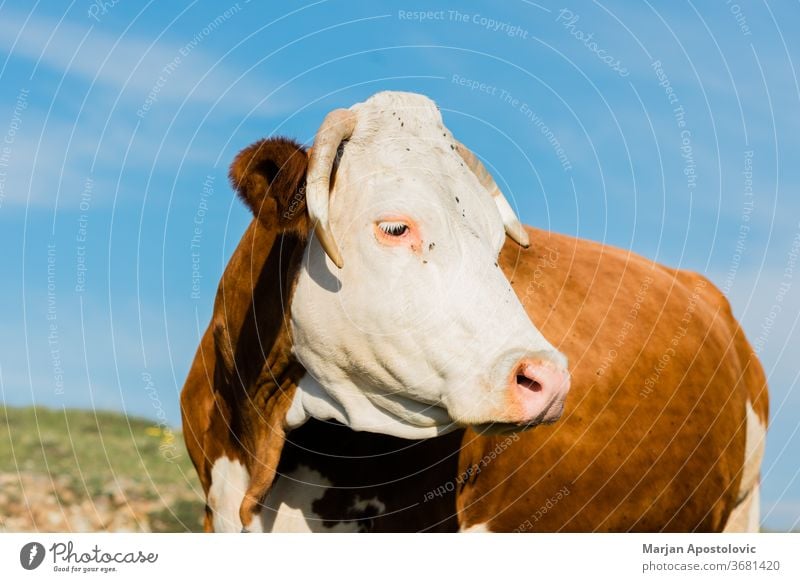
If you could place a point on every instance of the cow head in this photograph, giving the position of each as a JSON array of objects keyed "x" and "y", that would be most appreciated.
[{"x": 400, "y": 313}]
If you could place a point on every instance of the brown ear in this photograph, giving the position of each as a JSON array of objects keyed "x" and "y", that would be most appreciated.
[{"x": 270, "y": 177}]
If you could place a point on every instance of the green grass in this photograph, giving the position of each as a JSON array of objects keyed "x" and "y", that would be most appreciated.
[{"x": 89, "y": 455}]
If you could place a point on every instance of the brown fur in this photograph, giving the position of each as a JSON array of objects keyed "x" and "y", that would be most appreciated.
[
  {"x": 269, "y": 176},
  {"x": 668, "y": 457},
  {"x": 243, "y": 377},
  {"x": 621, "y": 459}
]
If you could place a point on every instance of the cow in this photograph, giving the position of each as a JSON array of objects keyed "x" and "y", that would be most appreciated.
[{"x": 372, "y": 362}]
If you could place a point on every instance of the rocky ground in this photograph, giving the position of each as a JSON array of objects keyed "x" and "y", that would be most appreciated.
[
  {"x": 37, "y": 502},
  {"x": 80, "y": 471}
]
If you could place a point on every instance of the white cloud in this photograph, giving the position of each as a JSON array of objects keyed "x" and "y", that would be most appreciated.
[
  {"x": 132, "y": 63},
  {"x": 62, "y": 141}
]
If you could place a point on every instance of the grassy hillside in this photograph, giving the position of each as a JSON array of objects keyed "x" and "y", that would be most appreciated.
[{"x": 79, "y": 470}]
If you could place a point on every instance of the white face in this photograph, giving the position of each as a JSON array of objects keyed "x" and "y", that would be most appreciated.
[{"x": 420, "y": 330}]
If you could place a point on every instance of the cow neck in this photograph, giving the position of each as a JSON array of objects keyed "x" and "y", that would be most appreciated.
[{"x": 253, "y": 339}]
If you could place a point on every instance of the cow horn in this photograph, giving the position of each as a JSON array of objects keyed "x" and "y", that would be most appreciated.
[
  {"x": 337, "y": 126},
  {"x": 513, "y": 226}
]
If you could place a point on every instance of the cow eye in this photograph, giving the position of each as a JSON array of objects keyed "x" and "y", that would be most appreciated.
[{"x": 393, "y": 228}]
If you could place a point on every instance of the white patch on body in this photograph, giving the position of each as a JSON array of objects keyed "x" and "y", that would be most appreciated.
[
  {"x": 754, "y": 451},
  {"x": 373, "y": 503},
  {"x": 229, "y": 481},
  {"x": 477, "y": 528},
  {"x": 746, "y": 516},
  {"x": 294, "y": 494}
]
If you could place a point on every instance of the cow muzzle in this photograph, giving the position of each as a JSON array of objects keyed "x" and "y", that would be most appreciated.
[
  {"x": 534, "y": 394},
  {"x": 537, "y": 390}
]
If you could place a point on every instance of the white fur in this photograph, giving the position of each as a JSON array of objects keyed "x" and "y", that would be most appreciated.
[
  {"x": 229, "y": 481},
  {"x": 294, "y": 503},
  {"x": 477, "y": 528},
  {"x": 746, "y": 516},
  {"x": 354, "y": 409},
  {"x": 362, "y": 505},
  {"x": 397, "y": 342},
  {"x": 754, "y": 451}
]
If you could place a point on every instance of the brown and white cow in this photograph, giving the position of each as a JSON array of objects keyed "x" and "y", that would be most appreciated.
[{"x": 407, "y": 316}]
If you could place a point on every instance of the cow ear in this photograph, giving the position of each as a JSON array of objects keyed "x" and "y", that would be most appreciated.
[{"x": 269, "y": 176}]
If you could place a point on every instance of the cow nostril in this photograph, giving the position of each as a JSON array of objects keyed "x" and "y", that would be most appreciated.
[{"x": 528, "y": 383}]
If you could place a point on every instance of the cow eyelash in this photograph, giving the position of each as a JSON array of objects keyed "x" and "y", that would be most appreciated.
[{"x": 394, "y": 228}]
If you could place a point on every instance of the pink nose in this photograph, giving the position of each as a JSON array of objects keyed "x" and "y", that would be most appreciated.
[{"x": 540, "y": 388}]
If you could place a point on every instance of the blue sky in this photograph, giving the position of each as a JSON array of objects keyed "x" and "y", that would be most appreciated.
[{"x": 113, "y": 118}]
